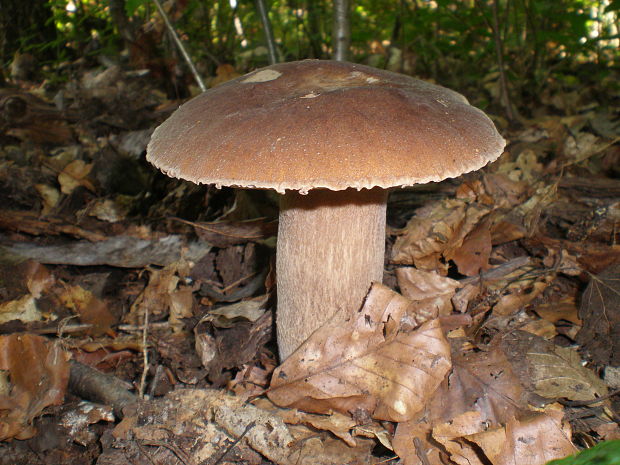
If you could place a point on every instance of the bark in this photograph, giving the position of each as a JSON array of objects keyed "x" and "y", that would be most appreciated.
[{"x": 341, "y": 35}]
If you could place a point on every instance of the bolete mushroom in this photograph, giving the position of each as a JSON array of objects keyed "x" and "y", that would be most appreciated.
[{"x": 331, "y": 137}]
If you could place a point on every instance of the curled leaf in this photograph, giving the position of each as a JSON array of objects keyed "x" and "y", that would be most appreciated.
[{"x": 366, "y": 364}]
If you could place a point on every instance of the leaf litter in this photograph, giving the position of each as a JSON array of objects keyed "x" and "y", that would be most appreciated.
[{"x": 501, "y": 312}]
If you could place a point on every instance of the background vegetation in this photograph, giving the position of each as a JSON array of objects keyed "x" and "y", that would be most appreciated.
[{"x": 458, "y": 43}]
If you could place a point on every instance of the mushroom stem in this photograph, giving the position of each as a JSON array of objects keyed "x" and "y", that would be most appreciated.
[{"x": 331, "y": 247}]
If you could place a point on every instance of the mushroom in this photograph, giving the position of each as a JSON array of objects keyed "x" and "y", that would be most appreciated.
[{"x": 331, "y": 137}]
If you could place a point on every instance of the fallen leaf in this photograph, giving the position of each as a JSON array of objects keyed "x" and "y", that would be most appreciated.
[
  {"x": 429, "y": 292},
  {"x": 75, "y": 175},
  {"x": 600, "y": 312},
  {"x": 38, "y": 372},
  {"x": 338, "y": 424},
  {"x": 91, "y": 309},
  {"x": 532, "y": 440},
  {"x": 435, "y": 230},
  {"x": 548, "y": 370},
  {"x": 365, "y": 363},
  {"x": 472, "y": 257},
  {"x": 452, "y": 434}
]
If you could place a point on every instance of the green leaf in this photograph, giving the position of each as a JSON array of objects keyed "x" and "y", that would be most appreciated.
[
  {"x": 605, "y": 453},
  {"x": 132, "y": 5}
]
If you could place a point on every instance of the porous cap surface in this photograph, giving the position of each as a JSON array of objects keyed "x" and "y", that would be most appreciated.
[{"x": 324, "y": 124}]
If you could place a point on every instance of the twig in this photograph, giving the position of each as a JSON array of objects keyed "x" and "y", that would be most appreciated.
[
  {"x": 180, "y": 45},
  {"x": 499, "y": 52},
  {"x": 420, "y": 451},
  {"x": 585, "y": 403},
  {"x": 235, "y": 442},
  {"x": 145, "y": 352},
  {"x": 91, "y": 384},
  {"x": 271, "y": 43}
]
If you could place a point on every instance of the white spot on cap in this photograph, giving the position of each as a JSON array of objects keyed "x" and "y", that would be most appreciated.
[
  {"x": 263, "y": 76},
  {"x": 310, "y": 95}
]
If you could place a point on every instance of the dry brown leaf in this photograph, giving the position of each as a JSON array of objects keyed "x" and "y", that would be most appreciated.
[
  {"x": 520, "y": 291},
  {"x": 564, "y": 309},
  {"x": 165, "y": 295},
  {"x": 365, "y": 364},
  {"x": 548, "y": 370},
  {"x": 38, "y": 372},
  {"x": 75, "y": 175},
  {"x": 23, "y": 285},
  {"x": 412, "y": 441},
  {"x": 452, "y": 434},
  {"x": 247, "y": 310},
  {"x": 90, "y": 308},
  {"x": 600, "y": 312},
  {"x": 533, "y": 440},
  {"x": 485, "y": 380},
  {"x": 472, "y": 256},
  {"x": 540, "y": 327},
  {"x": 338, "y": 424},
  {"x": 430, "y": 293},
  {"x": 435, "y": 230},
  {"x": 50, "y": 197},
  {"x": 525, "y": 168}
]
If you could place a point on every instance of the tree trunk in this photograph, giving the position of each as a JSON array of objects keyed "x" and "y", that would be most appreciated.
[{"x": 341, "y": 35}]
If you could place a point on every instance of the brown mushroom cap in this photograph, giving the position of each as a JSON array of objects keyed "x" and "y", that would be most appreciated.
[{"x": 324, "y": 124}]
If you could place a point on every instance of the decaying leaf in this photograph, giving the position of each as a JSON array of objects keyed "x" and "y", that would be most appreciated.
[
  {"x": 600, "y": 312},
  {"x": 483, "y": 379},
  {"x": 165, "y": 295},
  {"x": 227, "y": 233},
  {"x": 338, "y": 424},
  {"x": 91, "y": 309},
  {"x": 532, "y": 440},
  {"x": 452, "y": 436},
  {"x": 472, "y": 256},
  {"x": 22, "y": 285},
  {"x": 75, "y": 175},
  {"x": 38, "y": 372},
  {"x": 548, "y": 370},
  {"x": 436, "y": 230},
  {"x": 365, "y": 363}
]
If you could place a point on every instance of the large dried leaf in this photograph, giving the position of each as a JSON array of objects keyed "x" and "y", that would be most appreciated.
[
  {"x": 39, "y": 373},
  {"x": 485, "y": 380},
  {"x": 550, "y": 371},
  {"x": 366, "y": 363},
  {"x": 533, "y": 440},
  {"x": 600, "y": 312}
]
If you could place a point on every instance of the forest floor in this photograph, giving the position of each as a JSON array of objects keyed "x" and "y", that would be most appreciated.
[{"x": 507, "y": 280}]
